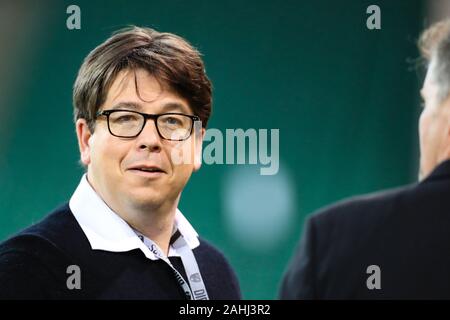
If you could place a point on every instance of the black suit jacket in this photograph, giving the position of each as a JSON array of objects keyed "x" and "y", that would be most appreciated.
[{"x": 405, "y": 232}]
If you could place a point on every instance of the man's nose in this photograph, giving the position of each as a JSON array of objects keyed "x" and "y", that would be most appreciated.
[{"x": 149, "y": 137}]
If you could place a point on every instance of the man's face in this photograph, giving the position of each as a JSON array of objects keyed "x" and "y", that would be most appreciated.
[
  {"x": 112, "y": 162},
  {"x": 434, "y": 126}
]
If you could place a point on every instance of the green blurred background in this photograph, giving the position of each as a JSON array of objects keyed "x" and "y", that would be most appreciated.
[{"x": 344, "y": 98}]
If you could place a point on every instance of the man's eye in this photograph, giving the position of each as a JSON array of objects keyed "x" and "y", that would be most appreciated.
[
  {"x": 172, "y": 121},
  {"x": 125, "y": 118}
]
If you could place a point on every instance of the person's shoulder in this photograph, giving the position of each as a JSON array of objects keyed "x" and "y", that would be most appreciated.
[
  {"x": 30, "y": 260},
  {"x": 55, "y": 223},
  {"x": 219, "y": 273},
  {"x": 365, "y": 207},
  {"x": 208, "y": 254},
  {"x": 40, "y": 239},
  {"x": 208, "y": 249}
]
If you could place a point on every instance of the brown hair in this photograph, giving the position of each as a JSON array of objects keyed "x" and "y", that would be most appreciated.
[{"x": 168, "y": 57}]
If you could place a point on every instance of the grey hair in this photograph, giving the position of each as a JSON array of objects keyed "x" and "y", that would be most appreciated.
[
  {"x": 440, "y": 65},
  {"x": 434, "y": 45}
]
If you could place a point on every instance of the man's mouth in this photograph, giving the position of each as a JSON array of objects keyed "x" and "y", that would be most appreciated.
[{"x": 147, "y": 171}]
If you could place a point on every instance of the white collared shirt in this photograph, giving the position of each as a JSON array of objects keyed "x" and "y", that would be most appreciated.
[{"x": 106, "y": 230}]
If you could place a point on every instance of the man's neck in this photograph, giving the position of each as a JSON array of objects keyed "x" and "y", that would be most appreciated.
[{"x": 156, "y": 225}]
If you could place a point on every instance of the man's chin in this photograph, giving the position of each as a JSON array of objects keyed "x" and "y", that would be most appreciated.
[
  {"x": 143, "y": 198},
  {"x": 147, "y": 202}
]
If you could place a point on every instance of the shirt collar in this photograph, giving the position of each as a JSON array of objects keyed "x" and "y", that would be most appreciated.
[{"x": 106, "y": 230}]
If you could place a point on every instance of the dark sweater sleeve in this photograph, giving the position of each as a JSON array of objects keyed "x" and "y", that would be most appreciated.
[
  {"x": 299, "y": 279},
  {"x": 22, "y": 276},
  {"x": 235, "y": 290},
  {"x": 28, "y": 269}
]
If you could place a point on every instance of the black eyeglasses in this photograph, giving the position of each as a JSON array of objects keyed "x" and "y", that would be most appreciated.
[{"x": 129, "y": 124}]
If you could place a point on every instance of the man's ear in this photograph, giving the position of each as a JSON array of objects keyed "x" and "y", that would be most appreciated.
[
  {"x": 83, "y": 136},
  {"x": 444, "y": 108},
  {"x": 198, "y": 146}
]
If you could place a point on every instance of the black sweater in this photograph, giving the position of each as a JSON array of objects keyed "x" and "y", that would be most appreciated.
[{"x": 34, "y": 265}]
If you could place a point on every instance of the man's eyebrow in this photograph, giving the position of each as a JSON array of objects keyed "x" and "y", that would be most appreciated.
[
  {"x": 167, "y": 107},
  {"x": 127, "y": 105},
  {"x": 175, "y": 106}
]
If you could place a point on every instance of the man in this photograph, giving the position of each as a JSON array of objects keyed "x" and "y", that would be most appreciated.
[
  {"x": 141, "y": 103},
  {"x": 394, "y": 244}
]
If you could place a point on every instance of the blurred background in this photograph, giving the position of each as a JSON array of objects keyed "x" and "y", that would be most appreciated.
[{"x": 344, "y": 98}]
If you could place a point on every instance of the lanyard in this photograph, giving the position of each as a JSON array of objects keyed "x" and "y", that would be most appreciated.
[
  {"x": 197, "y": 289},
  {"x": 190, "y": 265}
]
